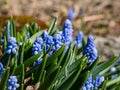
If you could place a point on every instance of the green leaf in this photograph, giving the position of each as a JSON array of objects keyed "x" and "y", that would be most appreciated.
[
  {"x": 22, "y": 73},
  {"x": 80, "y": 81},
  {"x": 55, "y": 55},
  {"x": 73, "y": 66},
  {"x": 33, "y": 38},
  {"x": 94, "y": 64},
  {"x": 69, "y": 81},
  {"x": 52, "y": 26},
  {"x": 104, "y": 65},
  {"x": 113, "y": 81},
  {"x": 28, "y": 62},
  {"x": 12, "y": 27},
  {"x": 5, "y": 43},
  {"x": 41, "y": 68},
  {"x": 4, "y": 79},
  {"x": 49, "y": 79},
  {"x": 21, "y": 53},
  {"x": 103, "y": 86}
]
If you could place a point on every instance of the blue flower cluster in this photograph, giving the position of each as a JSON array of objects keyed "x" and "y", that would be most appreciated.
[
  {"x": 67, "y": 32},
  {"x": 44, "y": 35},
  {"x": 98, "y": 81},
  {"x": 37, "y": 46},
  {"x": 11, "y": 46},
  {"x": 48, "y": 40},
  {"x": 1, "y": 69},
  {"x": 78, "y": 39},
  {"x": 57, "y": 41},
  {"x": 88, "y": 85},
  {"x": 90, "y": 50},
  {"x": 71, "y": 14},
  {"x": 12, "y": 83},
  {"x": 93, "y": 84}
]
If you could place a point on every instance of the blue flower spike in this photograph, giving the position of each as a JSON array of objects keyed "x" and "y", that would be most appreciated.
[
  {"x": 12, "y": 83},
  {"x": 78, "y": 39},
  {"x": 90, "y": 50},
  {"x": 57, "y": 41},
  {"x": 11, "y": 47},
  {"x": 88, "y": 85},
  {"x": 37, "y": 46},
  {"x": 67, "y": 32},
  {"x": 98, "y": 81},
  {"x": 71, "y": 14}
]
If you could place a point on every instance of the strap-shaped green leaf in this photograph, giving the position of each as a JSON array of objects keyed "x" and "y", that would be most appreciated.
[
  {"x": 40, "y": 70},
  {"x": 113, "y": 81},
  {"x": 4, "y": 79},
  {"x": 52, "y": 26},
  {"x": 21, "y": 54},
  {"x": 12, "y": 27},
  {"x": 33, "y": 38},
  {"x": 49, "y": 79},
  {"x": 80, "y": 81},
  {"x": 104, "y": 65},
  {"x": 55, "y": 55},
  {"x": 103, "y": 86},
  {"x": 28, "y": 62},
  {"x": 73, "y": 66},
  {"x": 69, "y": 81}
]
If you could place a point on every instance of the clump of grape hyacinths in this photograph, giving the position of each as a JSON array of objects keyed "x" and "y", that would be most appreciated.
[
  {"x": 71, "y": 14},
  {"x": 1, "y": 69},
  {"x": 78, "y": 39},
  {"x": 67, "y": 31},
  {"x": 90, "y": 50},
  {"x": 88, "y": 85},
  {"x": 12, "y": 83},
  {"x": 11, "y": 47},
  {"x": 98, "y": 81}
]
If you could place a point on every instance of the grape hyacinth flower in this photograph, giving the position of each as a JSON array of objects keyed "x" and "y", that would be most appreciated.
[
  {"x": 12, "y": 83},
  {"x": 78, "y": 39},
  {"x": 88, "y": 85},
  {"x": 37, "y": 46},
  {"x": 67, "y": 31},
  {"x": 44, "y": 35},
  {"x": 11, "y": 46},
  {"x": 71, "y": 14},
  {"x": 98, "y": 81},
  {"x": 1, "y": 69},
  {"x": 57, "y": 41},
  {"x": 90, "y": 50},
  {"x": 49, "y": 41}
]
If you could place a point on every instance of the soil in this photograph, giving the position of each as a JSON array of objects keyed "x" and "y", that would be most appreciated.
[{"x": 98, "y": 17}]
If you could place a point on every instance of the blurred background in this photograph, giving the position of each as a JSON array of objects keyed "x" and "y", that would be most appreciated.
[{"x": 101, "y": 18}]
